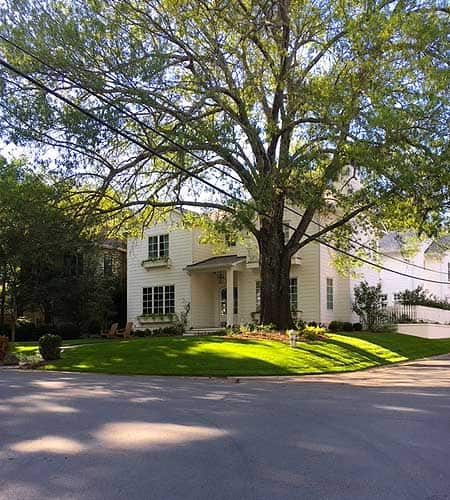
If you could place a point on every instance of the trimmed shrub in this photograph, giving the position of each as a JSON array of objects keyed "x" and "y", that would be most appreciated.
[
  {"x": 335, "y": 326},
  {"x": 50, "y": 347},
  {"x": 171, "y": 330},
  {"x": 313, "y": 332},
  {"x": 347, "y": 326},
  {"x": 357, "y": 327}
]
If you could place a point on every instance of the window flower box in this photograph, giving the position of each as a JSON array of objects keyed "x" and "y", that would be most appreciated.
[
  {"x": 157, "y": 318},
  {"x": 159, "y": 262}
]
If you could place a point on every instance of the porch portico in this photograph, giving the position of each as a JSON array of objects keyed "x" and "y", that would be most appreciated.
[{"x": 215, "y": 294}]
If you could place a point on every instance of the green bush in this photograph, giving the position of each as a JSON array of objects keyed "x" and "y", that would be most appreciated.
[
  {"x": 171, "y": 330},
  {"x": 357, "y": 327},
  {"x": 347, "y": 326},
  {"x": 50, "y": 347},
  {"x": 313, "y": 332},
  {"x": 335, "y": 326}
]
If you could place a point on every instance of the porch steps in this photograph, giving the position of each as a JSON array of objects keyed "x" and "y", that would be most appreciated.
[{"x": 197, "y": 332}]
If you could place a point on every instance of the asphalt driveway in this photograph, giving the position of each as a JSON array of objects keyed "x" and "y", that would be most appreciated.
[{"x": 382, "y": 434}]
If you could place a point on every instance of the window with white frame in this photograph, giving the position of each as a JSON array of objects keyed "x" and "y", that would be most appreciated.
[
  {"x": 158, "y": 246},
  {"x": 293, "y": 294},
  {"x": 330, "y": 294},
  {"x": 158, "y": 300},
  {"x": 397, "y": 298},
  {"x": 384, "y": 300}
]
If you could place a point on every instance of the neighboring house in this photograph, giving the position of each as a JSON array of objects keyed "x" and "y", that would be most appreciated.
[
  {"x": 168, "y": 270},
  {"x": 433, "y": 259}
]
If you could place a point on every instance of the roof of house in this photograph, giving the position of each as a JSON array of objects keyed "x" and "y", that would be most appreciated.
[
  {"x": 391, "y": 242},
  {"x": 214, "y": 263},
  {"x": 441, "y": 245}
]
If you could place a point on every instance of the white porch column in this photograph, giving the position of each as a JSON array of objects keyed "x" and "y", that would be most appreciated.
[{"x": 230, "y": 297}]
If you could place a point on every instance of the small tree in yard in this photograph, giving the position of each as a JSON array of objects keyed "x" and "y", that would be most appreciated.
[{"x": 367, "y": 304}]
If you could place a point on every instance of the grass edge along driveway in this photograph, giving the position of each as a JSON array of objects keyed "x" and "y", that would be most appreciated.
[{"x": 219, "y": 356}]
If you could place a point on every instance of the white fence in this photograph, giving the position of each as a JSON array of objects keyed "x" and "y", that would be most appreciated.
[{"x": 406, "y": 313}]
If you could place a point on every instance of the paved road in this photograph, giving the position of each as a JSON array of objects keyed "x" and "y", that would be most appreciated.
[{"x": 381, "y": 434}]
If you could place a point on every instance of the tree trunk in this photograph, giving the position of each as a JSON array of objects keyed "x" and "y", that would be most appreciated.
[
  {"x": 13, "y": 319},
  {"x": 275, "y": 264}
]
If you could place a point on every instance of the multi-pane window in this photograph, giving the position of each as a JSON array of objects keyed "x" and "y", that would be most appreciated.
[
  {"x": 221, "y": 278},
  {"x": 397, "y": 298},
  {"x": 169, "y": 299},
  {"x": 164, "y": 245},
  {"x": 330, "y": 294},
  {"x": 147, "y": 302},
  {"x": 158, "y": 246},
  {"x": 384, "y": 300},
  {"x": 293, "y": 294},
  {"x": 159, "y": 300},
  {"x": 258, "y": 296}
]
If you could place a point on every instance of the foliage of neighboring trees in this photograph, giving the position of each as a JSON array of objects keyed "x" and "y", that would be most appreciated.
[
  {"x": 46, "y": 264},
  {"x": 291, "y": 98},
  {"x": 421, "y": 297},
  {"x": 367, "y": 304}
]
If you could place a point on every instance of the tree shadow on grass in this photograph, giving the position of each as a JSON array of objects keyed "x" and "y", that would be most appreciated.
[{"x": 378, "y": 360}]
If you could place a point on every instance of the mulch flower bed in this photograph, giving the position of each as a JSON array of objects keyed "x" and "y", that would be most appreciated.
[{"x": 277, "y": 336}]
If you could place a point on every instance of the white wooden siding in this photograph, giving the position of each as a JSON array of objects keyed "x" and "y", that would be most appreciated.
[{"x": 180, "y": 254}]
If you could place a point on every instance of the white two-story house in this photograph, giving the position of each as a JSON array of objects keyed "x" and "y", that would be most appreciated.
[{"x": 170, "y": 270}]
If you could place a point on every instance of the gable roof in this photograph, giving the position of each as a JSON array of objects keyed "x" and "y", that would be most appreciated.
[
  {"x": 441, "y": 245},
  {"x": 391, "y": 242}
]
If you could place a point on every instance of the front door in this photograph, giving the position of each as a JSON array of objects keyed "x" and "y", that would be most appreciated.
[{"x": 223, "y": 306}]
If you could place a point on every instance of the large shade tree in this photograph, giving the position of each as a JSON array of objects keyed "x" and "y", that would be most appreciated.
[{"x": 274, "y": 101}]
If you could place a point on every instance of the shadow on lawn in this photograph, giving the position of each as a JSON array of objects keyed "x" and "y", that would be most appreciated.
[
  {"x": 198, "y": 357},
  {"x": 166, "y": 356}
]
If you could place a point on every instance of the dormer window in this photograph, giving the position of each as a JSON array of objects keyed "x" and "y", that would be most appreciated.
[{"x": 158, "y": 247}]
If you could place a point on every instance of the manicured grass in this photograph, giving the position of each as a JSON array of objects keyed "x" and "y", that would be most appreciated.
[{"x": 216, "y": 356}]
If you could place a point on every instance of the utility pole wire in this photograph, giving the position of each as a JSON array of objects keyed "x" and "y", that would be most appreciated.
[{"x": 125, "y": 135}]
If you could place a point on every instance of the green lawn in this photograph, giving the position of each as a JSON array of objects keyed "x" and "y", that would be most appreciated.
[{"x": 212, "y": 356}]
